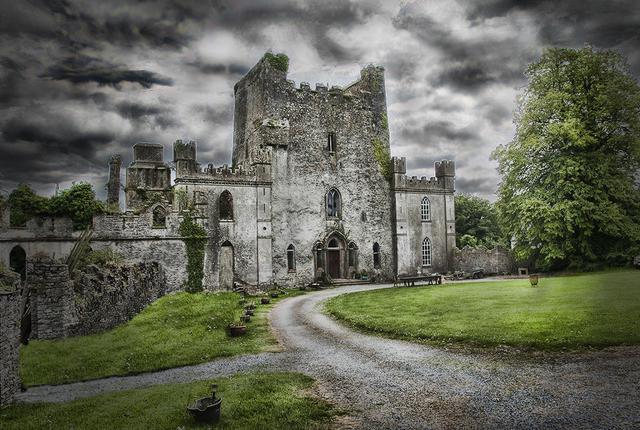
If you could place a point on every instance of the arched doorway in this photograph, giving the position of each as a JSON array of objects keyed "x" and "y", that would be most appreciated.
[
  {"x": 225, "y": 266},
  {"x": 18, "y": 261},
  {"x": 336, "y": 267}
]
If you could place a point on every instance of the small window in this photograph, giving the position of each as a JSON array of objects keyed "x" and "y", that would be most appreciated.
[
  {"x": 425, "y": 209},
  {"x": 353, "y": 254},
  {"x": 426, "y": 252},
  {"x": 331, "y": 142},
  {"x": 291, "y": 258},
  {"x": 226, "y": 205},
  {"x": 334, "y": 204},
  {"x": 363, "y": 216},
  {"x": 159, "y": 217},
  {"x": 318, "y": 253},
  {"x": 376, "y": 255}
]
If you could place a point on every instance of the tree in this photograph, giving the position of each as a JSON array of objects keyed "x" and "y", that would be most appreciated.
[
  {"x": 568, "y": 193},
  {"x": 25, "y": 204},
  {"x": 477, "y": 222}
]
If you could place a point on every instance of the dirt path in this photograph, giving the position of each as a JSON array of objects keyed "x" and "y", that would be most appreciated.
[{"x": 394, "y": 384}]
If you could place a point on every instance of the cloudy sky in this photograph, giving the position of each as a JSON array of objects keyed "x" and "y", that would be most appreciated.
[{"x": 82, "y": 79}]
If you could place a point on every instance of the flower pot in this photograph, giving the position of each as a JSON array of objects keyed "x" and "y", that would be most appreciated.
[
  {"x": 237, "y": 330},
  {"x": 274, "y": 295},
  {"x": 534, "y": 280},
  {"x": 250, "y": 306},
  {"x": 245, "y": 318},
  {"x": 248, "y": 312},
  {"x": 265, "y": 300},
  {"x": 207, "y": 409}
]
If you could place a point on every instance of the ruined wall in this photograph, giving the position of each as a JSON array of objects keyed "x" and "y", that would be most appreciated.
[
  {"x": 492, "y": 261},
  {"x": 108, "y": 296},
  {"x": 52, "y": 307},
  {"x": 99, "y": 298},
  {"x": 9, "y": 337}
]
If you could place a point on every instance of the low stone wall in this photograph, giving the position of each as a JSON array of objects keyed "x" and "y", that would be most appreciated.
[
  {"x": 9, "y": 337},
  {"x": 492, "y": 261},
  {"x": 108, "y": 296},
  {"x": 99, "y": 298}
]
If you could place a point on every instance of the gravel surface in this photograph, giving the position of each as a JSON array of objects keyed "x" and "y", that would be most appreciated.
[{"x": 391, "y": 384}]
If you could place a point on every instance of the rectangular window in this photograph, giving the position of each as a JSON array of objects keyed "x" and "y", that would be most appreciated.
[{"x": 331, "y": 142}]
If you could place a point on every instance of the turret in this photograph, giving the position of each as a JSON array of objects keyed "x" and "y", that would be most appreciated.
[
  {"x": 113, "y": 186},
  {"x": 184, "y": 157},
  {"x": 446, "y": 173}
]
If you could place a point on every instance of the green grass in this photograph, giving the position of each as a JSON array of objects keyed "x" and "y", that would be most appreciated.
[
  {"x": 176, "y": 330},
  {"x": 249, "y": 401},
  {"x": 591, "y": 310}
]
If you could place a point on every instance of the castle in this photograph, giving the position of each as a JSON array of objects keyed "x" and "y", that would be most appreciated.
[{"x": 312, "y": 189}]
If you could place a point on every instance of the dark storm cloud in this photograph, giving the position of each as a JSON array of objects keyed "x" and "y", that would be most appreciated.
[
  {"x": 160, "y": 116},
  {"x": 438, "y": 131},
  {"x": 84, "y": 69},
  {"x": 218, "y": 68}
]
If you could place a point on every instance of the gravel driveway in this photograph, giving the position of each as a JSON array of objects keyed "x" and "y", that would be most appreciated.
[{"x": 390, "y": 384}]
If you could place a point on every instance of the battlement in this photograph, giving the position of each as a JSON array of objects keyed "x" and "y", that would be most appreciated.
[
  {"x": 445, "y": 168},
  {"x": 148, "y": 153},
  {"x": 184, "y": 151},
  {"x": 443, "y": 181},
  {"x": 399, "y": 164}
]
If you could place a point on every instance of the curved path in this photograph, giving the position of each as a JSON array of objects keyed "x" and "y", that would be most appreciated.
[{"x": 395, "y": 384}]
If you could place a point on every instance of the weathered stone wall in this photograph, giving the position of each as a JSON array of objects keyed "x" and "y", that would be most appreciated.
[
  {"x": 105, "y": 297},
  {"x": 9, "y": 337},
  {"x": 99, "y": 298},
  {"x": 493, "y": 261},
  {"x": 52, "y": 308}
]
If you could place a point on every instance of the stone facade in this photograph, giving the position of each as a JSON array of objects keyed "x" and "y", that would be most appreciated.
[
  {"x": 492, "y": 261},
  {"x": 97, "y": 299},
  {"x": 9, "y": 337},
  {"x": 310, "y": 191}
]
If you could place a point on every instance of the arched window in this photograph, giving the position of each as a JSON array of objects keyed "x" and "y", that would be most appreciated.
[
  {"x": 425, "y": 209},
  {"x": 334, "y": 205},
  {"x": 291, "y": 258},
  {"x": 18, "y": 261},
  {"x": 426, "y": 252},
  {"x": 226, "y": 205},
  {"x": 353, "y": 254},
  {"x": 159, "y": 217},
  {"x": 376, "y": 255}
]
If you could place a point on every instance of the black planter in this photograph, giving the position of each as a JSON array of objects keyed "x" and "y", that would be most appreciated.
[
  {"x": 265, "y": 300},
  {"x": 274, "y": 295},
  {"x": 207, "y": 409},
  {"x": 248, "y": 312},
  {"x": 237, "y": 330}
]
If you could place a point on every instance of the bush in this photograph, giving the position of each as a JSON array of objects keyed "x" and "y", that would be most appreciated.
[
  {"x": 100, "y": 257},
  {"x": 278, "y": 61}
]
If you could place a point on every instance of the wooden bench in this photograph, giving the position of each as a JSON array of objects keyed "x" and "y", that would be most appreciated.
[{"x": 410, "y": 281}]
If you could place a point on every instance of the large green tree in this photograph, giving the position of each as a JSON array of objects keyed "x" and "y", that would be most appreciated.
[
  {"x": 569, "y": 193},
  {"x": 477, "y": 222}
]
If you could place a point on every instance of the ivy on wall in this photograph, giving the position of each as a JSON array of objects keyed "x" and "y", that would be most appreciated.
[
  {"x": 383, "y": 157},
  {"x": 195, "y": 240}
]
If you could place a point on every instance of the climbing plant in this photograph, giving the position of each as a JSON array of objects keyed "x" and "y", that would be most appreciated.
[
  {"x": 195, "y": 240},
  {"x": 381, "y": 152}
]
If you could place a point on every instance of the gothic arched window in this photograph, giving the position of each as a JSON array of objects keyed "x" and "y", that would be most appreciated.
[
  {"x": 425, "y": 209},
  {"x": 226, "y": 205},
  {"x": 159, "y": 217},
  {"x": 376, "y": 255},
  {"x": 426, "y": 252},
  {"x": 353, "y": 254},
  {"x": 291, "y": 258},
  {"x": 334, "y": 204}
]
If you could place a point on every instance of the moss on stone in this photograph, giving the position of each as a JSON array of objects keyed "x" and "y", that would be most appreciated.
[
  {"x": 381, "y": 153},
  {"x": 278, "y": 61},
  {"x": 195, "y": 240}
]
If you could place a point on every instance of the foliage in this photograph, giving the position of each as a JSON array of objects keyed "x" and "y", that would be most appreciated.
[
  {"x": 568, "y": 193},
  {"x": 250, "y": 401},
  {"x": 381, "y": 153},
  {"x": 100, "y": 257},
  {"x": 477, "y": 222},
  {"x": 176, "y": 330},
  {"x": 278, "y": 61},
  {"x": 563, "y": 312},
  {"x": 195, "y": 240},
  {"x": 78, "y": 203}
]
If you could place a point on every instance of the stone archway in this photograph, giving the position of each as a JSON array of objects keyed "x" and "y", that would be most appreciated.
[
  {"x": 336, "y": 257},
  {"x": 225, "y": 266},
  {"x": 18, "y": 261}
]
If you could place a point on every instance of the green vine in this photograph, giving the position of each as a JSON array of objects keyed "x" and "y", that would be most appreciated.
[
  {"x": 278, "y": 61},
  {"x": 195, "y": 240},
  {"x": 381, "y": 153}
]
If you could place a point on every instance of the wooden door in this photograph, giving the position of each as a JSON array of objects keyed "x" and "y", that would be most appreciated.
[{"x": 333, "y": 263}]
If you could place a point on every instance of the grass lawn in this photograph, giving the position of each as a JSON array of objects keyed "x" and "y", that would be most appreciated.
[
  {"x": 176, "y": 330},
  {"x": 249, "y": 401},
  {"x": 598, "y": 310}
]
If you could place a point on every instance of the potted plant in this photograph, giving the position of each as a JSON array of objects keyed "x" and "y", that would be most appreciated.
[
  {"x": 248, "y": 312},
  {"x": 364, "y": 275},
  {"x": 265, "y": 300},
  {"x": 237, "y": 329},
  {"x": 250, "y": 305},
  {"x": 245, "y": 318},
  {"x": 274, "y": 294},
  {"x": 533, "y": 279}
]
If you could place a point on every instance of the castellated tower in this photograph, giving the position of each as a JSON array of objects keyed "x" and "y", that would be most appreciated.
[
  {"x": 330, "y": 188},
  {"x": 148, "y": 176}
]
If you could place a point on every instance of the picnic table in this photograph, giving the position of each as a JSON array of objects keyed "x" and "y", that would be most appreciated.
[{"x": 410, "y": 281}]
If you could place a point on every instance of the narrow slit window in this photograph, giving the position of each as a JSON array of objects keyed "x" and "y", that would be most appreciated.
[
  {"x": 376, "y": 255},
  {"x": 291, "y": 258},
  {"x": 331, "y": 142}
]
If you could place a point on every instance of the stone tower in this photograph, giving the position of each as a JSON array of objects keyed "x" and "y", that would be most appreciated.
[
  {"x": 148, "y": 176},
  {"x": 113, "y": 186}
]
